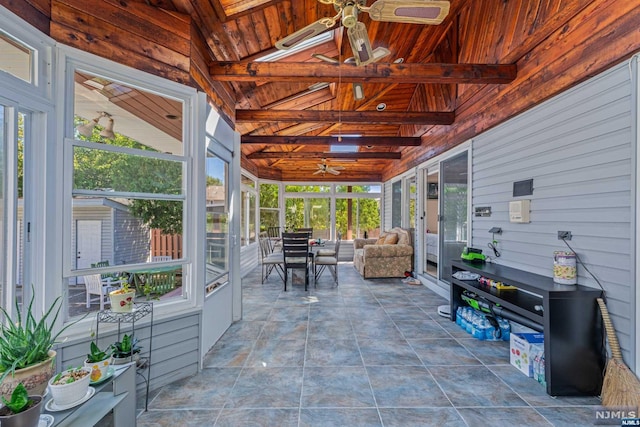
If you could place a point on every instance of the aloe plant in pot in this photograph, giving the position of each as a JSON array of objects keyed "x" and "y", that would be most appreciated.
[{"x": 26, "y": 354}]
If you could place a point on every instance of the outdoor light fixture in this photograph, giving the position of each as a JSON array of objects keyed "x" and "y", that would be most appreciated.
[
  {"x": 86, "y": 130},
  {"x": 107, "y": 132}
]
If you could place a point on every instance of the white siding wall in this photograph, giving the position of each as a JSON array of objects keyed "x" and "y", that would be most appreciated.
[
  {"x": 175, "y": 355},
  {"x": 578, "y": 149}
]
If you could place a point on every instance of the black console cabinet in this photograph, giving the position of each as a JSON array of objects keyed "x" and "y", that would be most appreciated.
[{"x": 567, "y": 314}]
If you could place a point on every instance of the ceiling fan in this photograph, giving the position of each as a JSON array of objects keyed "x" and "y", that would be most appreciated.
[
  {"x": 358, "y": 91},
  {"x": 324, "y": 168},
  {"x": 407, "y": 11}
]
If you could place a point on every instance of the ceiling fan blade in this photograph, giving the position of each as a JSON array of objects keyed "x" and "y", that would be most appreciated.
[
  {"x": 317, "y": 172},
  {"x": 360, "y": 44},
  {"x": 409, "y": 11},
  {"x": 380, "y": 52},
  {"x": 333, "y": 171},
  {"x": 338, "y": 168},
  {"x": 305, "y": 33}
]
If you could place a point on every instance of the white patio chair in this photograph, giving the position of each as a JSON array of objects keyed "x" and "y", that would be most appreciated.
[
  {"x": 160, "y": 258},
  {"x": 94, "y": 285}
]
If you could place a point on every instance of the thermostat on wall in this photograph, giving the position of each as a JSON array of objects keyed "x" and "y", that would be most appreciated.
[{"x": 519, "y": 211}]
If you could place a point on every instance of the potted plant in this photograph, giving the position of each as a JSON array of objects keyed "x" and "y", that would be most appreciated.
[
  {"x": 125, "y": 351},
  {"x": 122, "y": 299},
  {"x": 25, "y": 348},
  {"x": 70, "y": 386},
  {"x": 98, "y": 361},
  {"x": 21, "y": 410}
]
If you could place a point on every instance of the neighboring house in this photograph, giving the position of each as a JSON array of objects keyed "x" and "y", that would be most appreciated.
[{"x": 104, "y": 230}]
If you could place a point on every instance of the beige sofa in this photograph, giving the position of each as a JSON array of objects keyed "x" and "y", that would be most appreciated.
[{"x": 381, "y": 258}]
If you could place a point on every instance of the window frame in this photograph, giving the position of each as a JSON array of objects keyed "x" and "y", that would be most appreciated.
[{"x": 81, "y": 61}]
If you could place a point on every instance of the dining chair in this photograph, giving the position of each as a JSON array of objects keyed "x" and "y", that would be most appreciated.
[
  {"x": 270, "y": 260},
  {"x": 323, "y": 262},
  {"x": 305, "y": 230},
  {"x": 329, "y": 252},
  {"x": 95, "y": 285},
  {"x": 273, "y": 234},
  {"x": 295, "y": 247}
]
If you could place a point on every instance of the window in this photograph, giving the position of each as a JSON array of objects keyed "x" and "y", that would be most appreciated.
[
  {"x": 396, "y": 204},
  {"x": 412, "y": 191},
  {"x": 248, "y": 211},
  {"x": 217, "y": 223},
  {"x": 17, "y": 58},
  {"x": 127, "y": 183},
  {"x": 358, "y": 216},
  {"x": 269, "y": 206}
]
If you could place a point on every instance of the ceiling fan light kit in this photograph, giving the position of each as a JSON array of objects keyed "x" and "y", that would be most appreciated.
[
  {"x": 404, "y": 11},
  {"x": 360, "y": 45}
]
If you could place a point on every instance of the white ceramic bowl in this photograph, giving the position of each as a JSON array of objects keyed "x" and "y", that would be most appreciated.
[{"x": 65, "y": 394}]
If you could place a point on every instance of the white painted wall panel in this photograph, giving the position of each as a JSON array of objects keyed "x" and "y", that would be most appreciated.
[{"x": 577, "y": 148}]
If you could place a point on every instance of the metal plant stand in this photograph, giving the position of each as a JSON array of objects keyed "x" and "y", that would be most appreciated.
[{"x": 140, "y": 310}]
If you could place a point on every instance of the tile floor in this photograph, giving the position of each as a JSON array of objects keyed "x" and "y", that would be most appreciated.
[{"x": 365, "y": 353}]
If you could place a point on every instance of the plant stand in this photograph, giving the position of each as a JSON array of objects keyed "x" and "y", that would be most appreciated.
[{"x": 140, "y": 310}]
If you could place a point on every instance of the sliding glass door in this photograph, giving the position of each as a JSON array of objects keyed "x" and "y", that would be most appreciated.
[{"x": 453, "y": 193}]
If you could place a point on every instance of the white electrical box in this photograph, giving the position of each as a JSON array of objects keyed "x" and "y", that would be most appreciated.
[{"x": 519, "y": 211}]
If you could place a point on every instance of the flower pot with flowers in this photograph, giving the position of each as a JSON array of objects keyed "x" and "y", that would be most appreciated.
[
  {"x": 21, "y": 410},
  {"x": 122, "y": 299}
]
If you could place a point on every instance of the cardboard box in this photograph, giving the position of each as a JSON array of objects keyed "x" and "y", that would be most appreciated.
[{"x": 522, "y": 348}]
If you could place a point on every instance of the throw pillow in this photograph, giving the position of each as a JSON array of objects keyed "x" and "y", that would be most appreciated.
[
  {"x": 391, "y": 239},
  {"x": 381, "y": 239}
]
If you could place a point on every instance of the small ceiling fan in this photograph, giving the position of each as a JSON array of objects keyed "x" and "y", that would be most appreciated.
[
  {"x": 407, "y": 11},
  {"x": 324, "y": 168}
]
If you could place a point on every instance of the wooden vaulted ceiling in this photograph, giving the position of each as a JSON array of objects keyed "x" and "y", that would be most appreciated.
[{"x": 488, "y": 61}]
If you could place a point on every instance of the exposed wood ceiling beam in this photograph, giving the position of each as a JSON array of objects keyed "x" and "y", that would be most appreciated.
[
  {"x": 310, "y": 155},
  {"x": 360, "y": 117},
  {"x": 372, "y": 73},
  {"x": 397, "y": 141}
]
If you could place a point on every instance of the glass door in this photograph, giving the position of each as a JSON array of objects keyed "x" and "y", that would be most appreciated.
[
  {"x": 15, "y": 232},
  {"x": 431, "y": 242},
  {"x": 453, "y": 196}
]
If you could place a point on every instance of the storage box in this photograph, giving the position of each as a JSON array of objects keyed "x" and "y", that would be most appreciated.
[{"x": 522, "y": 348}]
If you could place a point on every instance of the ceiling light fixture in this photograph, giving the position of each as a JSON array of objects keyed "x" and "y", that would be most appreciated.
[
  {"x": 381, "y": 107},
  {"x": 358, "y": 91}
]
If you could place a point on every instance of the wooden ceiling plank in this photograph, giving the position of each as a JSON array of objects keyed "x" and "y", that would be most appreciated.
[
  {"x": 390, "y": 155},
  {"x": 330, "y": 140},
  {"x": 372, "y": 73},
  {"x": 361, "y": 117}
]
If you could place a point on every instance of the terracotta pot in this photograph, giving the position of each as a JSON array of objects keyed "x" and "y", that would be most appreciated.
[
  {"x": 34, "y": 377},
  {"x": 121, "y": 303},
  {"x": 28, "y": 418}
]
